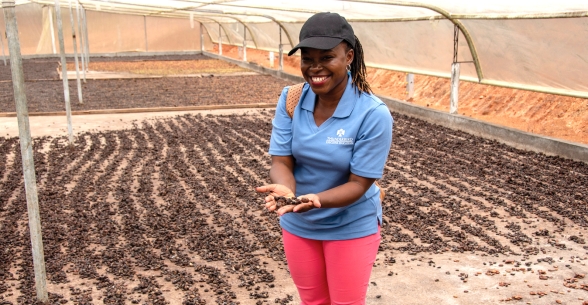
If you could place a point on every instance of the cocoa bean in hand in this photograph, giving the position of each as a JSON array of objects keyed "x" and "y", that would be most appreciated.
[{"x": 282, "y": 201}]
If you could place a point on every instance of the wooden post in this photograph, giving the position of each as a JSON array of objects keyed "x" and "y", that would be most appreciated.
[
  {"x": 454, "y": 96},
  {"x": 454, "y": 88},
  {"x": 75, "y": 47},
  {"x": 64, "y": 71},
  {"x": 220, "y": 41},
  {"x": 81, "y": 35},
  {"x": 244, "y": 43},
  {"x": 281, "y": 52},
  {"x": 52, "y": 34},
  {"x": 26, "y": 149},
  {"x": 201, "y": 38},
  {"x": 85, "y": 28},
  {"x": 2, "y": 45},
  {"x": 145, "y": 27},
  {"x": 409, "y": 86}
]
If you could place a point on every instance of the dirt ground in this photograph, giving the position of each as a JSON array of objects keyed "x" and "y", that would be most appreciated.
[
  {"x": 124, "y": 214},
  {"x": 545, "y": 114},
  {"x": 159, "y": 208}
]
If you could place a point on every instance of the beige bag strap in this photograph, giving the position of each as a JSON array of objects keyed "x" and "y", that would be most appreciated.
[
  {"x": 382, "y": 192},
  {"x": 293, "y": 97}
]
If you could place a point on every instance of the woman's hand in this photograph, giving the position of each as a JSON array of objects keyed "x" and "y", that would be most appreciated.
[
  {"x": 274, "y": 190},
  {"x": 308, "y": 202}
]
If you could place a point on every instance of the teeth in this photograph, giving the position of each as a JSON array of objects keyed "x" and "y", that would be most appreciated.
[{"x": 318, "y": 79}]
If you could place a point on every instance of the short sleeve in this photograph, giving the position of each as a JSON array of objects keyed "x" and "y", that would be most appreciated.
[
  {"x": 372, "y": 144},
  {"x": 281, "y": 139}
]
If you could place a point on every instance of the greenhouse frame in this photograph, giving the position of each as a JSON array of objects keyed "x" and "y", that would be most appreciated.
[{"x": 539, "y": 47}]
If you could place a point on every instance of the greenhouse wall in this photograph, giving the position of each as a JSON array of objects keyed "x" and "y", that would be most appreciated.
[
  {"x": 108, "y": 33},
  {"x": 548, "y": 52},
  {"x": 30, "y": 26}
]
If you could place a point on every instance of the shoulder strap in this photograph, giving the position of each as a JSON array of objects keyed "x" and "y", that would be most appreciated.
[{"x": 293, "y": 97}]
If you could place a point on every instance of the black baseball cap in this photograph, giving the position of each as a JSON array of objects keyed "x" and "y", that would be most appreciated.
[{"x": 324, "y": 31}]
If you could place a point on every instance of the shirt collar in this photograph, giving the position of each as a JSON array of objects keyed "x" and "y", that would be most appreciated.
[{"x": 346, "y": 103}]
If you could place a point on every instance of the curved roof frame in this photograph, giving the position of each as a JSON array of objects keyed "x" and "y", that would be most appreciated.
[
  {"x": 212, "y": 13},
  {"x": 223, "y": 14},
  {"x": 238, "y": 20},
  {"x": 214, "y": 20},
  {"x": 444, "y": 15},
  {"x": 563, "y": 14},
  {"x": 447, "y": 15},
  {"x": 250, "y": 12},
  {"x": 194, "y": 10},
  {"x": 197, "y": 10},
  {"x": 222, "y": 2},
  {"x": 197, "y": 18}
]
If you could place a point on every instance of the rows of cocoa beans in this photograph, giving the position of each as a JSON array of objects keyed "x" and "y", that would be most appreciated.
[{"x": 167, "y": 211}]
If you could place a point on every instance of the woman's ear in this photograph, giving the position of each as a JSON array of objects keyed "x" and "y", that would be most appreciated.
[{"x": 349, "y": 56}]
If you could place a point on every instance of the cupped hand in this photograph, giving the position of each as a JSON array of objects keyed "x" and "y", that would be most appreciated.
[
  {"x": 274, "y": 190},
  {"x": 308, "y": 202}
]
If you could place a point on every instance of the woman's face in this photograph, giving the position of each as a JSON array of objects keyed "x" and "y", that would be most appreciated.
[{"x": 326, "y": 70}]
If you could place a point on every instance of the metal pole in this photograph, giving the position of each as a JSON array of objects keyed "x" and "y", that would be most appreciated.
[
  {"x": 281, "y": 52},
  {"x": 75, "y": 47},
  {"x": 244, "y": 43},
  {"x": 220, "y": 41},
  {"x": 85, "y": 26},
  {"x": 52, "y": 34},
  {"x": 410, "y": 85},
  {"x": 64, "y": 70},
  {"x": 26, "y": 149},
  {"x": 2, "y": 45},
  {"x": 145, "y": 27},
  {"x": 81, "y": 34}
]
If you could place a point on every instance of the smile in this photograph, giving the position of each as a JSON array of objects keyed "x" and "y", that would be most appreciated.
[{"x": 318, "y": 79}]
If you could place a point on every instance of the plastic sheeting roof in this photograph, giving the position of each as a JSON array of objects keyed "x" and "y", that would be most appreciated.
[
  {"x": 537, "y": 45},
  {"x": 292, "y": 11}
]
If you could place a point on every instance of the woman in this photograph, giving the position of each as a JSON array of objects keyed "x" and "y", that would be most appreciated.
[{"x": 330, "y": 152}]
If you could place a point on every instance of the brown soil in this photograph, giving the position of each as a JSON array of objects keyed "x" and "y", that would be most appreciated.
[
  {"x": 550, "y": 115},
  {"x": 169, "y": 67}
]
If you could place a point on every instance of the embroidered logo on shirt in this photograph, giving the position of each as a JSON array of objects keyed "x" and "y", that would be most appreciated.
[{"x": 340, "y": 140}]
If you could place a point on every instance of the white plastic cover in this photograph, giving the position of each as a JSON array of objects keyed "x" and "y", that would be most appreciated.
[{"x": 539, "y": 45}]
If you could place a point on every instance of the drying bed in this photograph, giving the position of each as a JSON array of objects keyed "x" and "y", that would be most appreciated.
[
  {"x": 220, "y": 83},
  {"x": 165, "y": 212}
]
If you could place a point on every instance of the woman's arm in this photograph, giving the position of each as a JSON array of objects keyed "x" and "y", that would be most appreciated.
[
  {"x": 282, "y": 172},
  {"x": 345, "y": 194},
  {"x": 337, "y": 197}
]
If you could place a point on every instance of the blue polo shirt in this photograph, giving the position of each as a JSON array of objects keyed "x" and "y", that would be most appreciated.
[{"x": 356, "y": 139}]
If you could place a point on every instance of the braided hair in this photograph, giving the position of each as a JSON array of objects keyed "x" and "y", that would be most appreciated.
[{"x": 358, "y": 69}]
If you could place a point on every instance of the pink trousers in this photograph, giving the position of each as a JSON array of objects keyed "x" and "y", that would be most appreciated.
[{"x": 331, "y": 272}]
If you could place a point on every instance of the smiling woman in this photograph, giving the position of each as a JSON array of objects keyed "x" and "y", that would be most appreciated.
[
  {"x": 325, "y": 72},
  {"x": 330, "y": 152}
]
